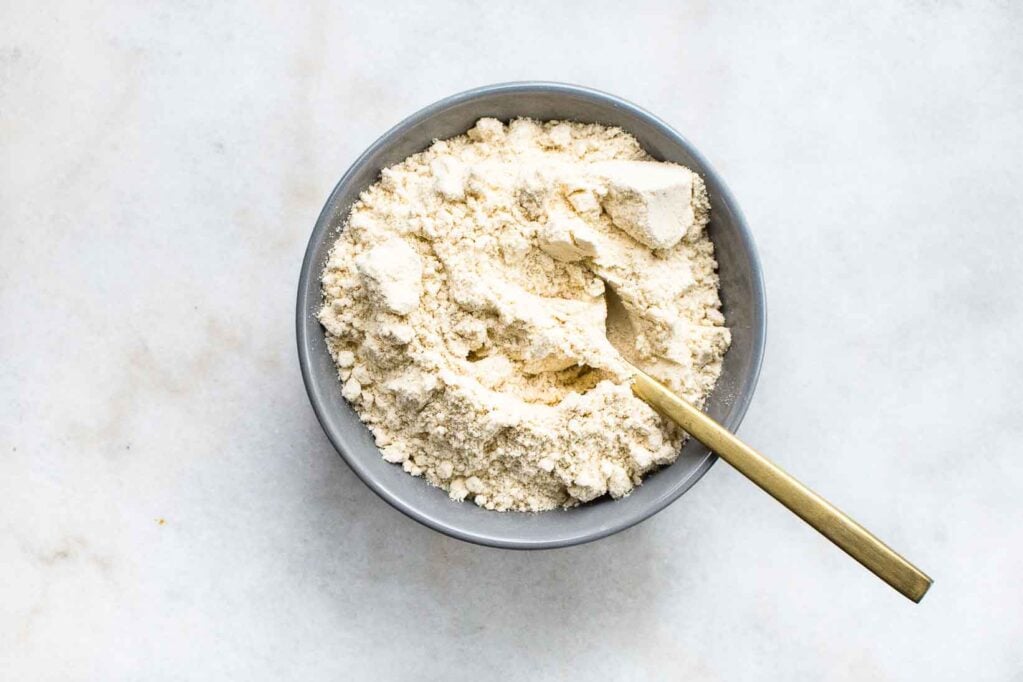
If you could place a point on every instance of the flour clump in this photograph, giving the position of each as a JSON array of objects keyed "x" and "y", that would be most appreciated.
[{"x": 465, "y": 299}]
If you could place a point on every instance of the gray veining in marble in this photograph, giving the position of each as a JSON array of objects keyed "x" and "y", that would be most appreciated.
[{"x": 171, "y": 510}]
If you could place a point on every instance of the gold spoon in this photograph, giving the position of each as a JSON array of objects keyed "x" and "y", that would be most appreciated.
[{"x": 851, "y": 537}]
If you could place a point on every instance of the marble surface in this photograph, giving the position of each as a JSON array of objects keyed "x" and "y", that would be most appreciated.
[{"x": 171, "y": 510}]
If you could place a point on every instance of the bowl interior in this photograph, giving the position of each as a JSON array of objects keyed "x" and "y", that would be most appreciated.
[{"x": 741, "y": 292}]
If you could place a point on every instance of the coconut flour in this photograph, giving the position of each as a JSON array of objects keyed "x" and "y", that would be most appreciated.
[{"x": 464, "y": 305}]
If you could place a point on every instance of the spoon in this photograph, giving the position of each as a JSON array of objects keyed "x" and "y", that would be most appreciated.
[{"x": 850, "y": 536}]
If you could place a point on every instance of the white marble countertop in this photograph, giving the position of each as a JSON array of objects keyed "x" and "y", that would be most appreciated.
[{"x": 171, "y": 509}]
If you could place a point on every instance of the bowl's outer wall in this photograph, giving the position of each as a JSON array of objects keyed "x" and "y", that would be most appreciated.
[{"x": 741, "y": 291}]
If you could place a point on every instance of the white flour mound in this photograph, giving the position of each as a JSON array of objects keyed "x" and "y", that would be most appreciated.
[{"x": 464, "y": 306}]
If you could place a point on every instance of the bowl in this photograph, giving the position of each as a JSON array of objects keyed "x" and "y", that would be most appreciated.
[{"x": 742, "y": 294}]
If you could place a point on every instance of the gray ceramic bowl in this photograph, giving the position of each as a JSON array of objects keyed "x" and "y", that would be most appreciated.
[{"x": 742, "y": 293}]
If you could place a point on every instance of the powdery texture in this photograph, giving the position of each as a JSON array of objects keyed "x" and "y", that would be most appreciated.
[{"x": 464, "y": 306}]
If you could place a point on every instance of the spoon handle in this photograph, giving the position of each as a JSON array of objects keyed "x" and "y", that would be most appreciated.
[{"x": 850, "y": 536}]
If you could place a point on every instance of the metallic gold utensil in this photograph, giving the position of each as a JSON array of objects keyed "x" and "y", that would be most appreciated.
[{"x": 853, "y": 538}]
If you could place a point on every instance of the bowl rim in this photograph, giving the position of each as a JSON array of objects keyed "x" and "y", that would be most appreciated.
[{"x": 308, "y": 278}]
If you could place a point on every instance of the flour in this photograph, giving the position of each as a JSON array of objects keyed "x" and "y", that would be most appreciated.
[{"x": 464, "y": 305}]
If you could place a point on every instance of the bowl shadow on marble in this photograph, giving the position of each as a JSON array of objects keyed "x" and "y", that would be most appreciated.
[
  {"x": 544, "y": 602},
  {"x": 741, "y": 291}
]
